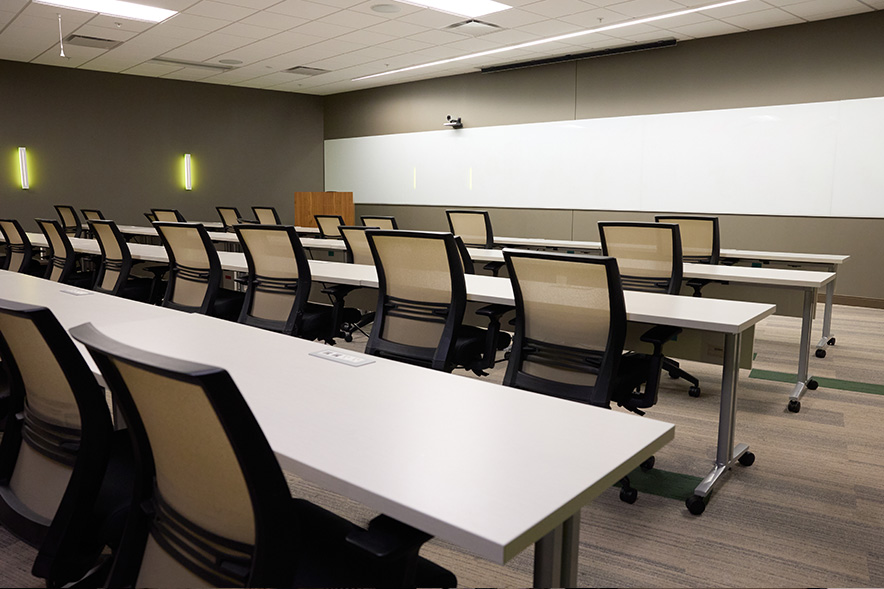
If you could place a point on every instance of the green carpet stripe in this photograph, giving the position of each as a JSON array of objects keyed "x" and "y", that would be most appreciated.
[
  {"x": 672, "y": 485},
  {"x": 829, "y": 383}
]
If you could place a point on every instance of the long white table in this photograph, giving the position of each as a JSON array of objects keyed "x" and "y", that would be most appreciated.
[{"x": 488, "y": 468}]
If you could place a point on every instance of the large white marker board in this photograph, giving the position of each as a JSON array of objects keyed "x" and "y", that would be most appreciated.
[{"x": 822, "y": 159}]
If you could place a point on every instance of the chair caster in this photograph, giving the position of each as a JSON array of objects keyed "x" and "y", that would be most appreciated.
[
  {"x": 812, "y": 384},
  {"x": 820, "y": 353},
  {"x": 348, "y": 337},
  {"x": 647, "y": 464},
  {"x": 831, "y": 341},
  {"x": 628, "y": 495},
  {"x": 747, "y": 459},
  {"x": 794, "y": 405},
  {"x": 695, "y": 504},
  {"x": 694, "y": 391}
]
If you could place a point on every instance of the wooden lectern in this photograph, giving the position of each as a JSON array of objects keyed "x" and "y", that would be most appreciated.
[{"x": 308, "y": 204}]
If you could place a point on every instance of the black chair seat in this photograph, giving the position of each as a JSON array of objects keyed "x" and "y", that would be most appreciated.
[
  {"x": 137, "y": 289},
  {"x": 227, "y": 304},
  {"x": 316, "y": 322}
]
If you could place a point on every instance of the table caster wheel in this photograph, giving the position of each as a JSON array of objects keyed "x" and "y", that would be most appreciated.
[
  {"x": 694, "y": 391},
  {"x": 695, "y": 504},
  {"x": 647, "y": 464},
  {"x": 820, "y": 353},
  {"x": 628, "y": 495},
  {"x": 831, "y": 341},
  {"x": 747, "y": 459},
  {"x": 794, "y": 406},
  {"x": 812, "y": 384}
]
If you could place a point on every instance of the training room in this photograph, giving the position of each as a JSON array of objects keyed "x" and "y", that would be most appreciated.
[{"x": 550, "y": 125}]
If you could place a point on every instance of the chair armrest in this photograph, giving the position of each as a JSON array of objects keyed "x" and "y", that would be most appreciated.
[
  {"x": 339, "y": 290},
  {"x": 493, "y": 267},
  {"x": 659, "y": 335},
  {"x": 494, "y": 311},
  {"x": 387, "y": 537}
]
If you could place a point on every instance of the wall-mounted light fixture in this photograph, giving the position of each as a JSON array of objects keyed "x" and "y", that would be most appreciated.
[
  {"x": 23, "y": 167},
  {"x": 188, "y": 178}
]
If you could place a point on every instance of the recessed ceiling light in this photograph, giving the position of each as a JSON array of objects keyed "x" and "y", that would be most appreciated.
[
  {"x": 386, "y": 8},
  {"x": 117, "y": 8},
  {"x": 600, "y": 29},
  {"x": 471, "y": 8}
]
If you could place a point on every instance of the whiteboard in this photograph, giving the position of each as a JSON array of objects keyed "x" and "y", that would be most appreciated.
[{"x": 818, "y": 159}]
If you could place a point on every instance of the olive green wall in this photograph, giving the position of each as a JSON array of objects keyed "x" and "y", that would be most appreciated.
[
  {"x": 116, "y": 143},
  {"x": 834, "y": 59}
]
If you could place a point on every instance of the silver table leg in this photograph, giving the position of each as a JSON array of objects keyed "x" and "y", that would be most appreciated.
[
  {"x": 827, "y": 338},
  {"x": 555, "y": 555},
  {"x": 804, "y": 381}
]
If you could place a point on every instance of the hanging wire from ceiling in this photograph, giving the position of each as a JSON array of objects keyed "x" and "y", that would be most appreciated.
[{"x": 61, "y": 38}]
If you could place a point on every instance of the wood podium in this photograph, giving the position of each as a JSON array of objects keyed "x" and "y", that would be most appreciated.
[{"x": 308, "y": 204}]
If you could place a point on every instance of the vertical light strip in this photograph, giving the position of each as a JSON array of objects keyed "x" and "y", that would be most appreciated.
[
  {"x": 23, "y": 167},
  {"x": 188, "y": 184},
  {"x": 471, "y": 178},
  {"x": 415, "y": 177}
]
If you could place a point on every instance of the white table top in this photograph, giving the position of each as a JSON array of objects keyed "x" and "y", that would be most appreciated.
[
  {"x": 486, "y": 467},
  {"x": 227, "y": 237}
]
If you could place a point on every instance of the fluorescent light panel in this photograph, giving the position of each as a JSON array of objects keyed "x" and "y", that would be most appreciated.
[
  {"x": 619, "y": 25},
  {"x": 23, "y": 167},
  {"x": 188, "y": 179},
  {"x": 471, "y": 8},
  {"x": 117, "y": 8}
]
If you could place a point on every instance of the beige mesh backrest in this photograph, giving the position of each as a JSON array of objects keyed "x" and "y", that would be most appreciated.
[
  {"x": 359, "y": 245},
  {"x": 163, "y": 215},
  {"x": 640, "y": 251},
  {"x": 68, "y": 217},
  {"x": 190, "y": 253},
  {"x": 697, "y": 236},
  {"x": 416, "y": 269},
  {"x": 59, "y": 248},
  {"x": 112, "y": 254},
  {"x": 91, "y": 215},
  {"x": 274, "y": 258},
  {"x": 229, "y": 216},
  {"x": 470, "y": 226},
  {"x": 379, "y": 222},
  {"x": 265, "y": 216},
  {"x": 16, "y": 257},
  {"x": 566, "y": 303},
  {"x": 197, "y": 472},
  {"x": 329, "y": 225},
  {"x": 38, "y": 481}
]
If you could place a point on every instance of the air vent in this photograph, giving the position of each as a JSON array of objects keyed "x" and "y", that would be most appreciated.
[
  {"x": 184, "y": 63},
  {"x": 473, "y": 27},
  {"x": 96, "y": 42},
  {"x": 302, "y": 70}
]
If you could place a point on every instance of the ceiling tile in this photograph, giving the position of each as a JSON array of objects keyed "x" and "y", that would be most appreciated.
[
  {"x": 639, "y": 8},
  {"x": 213, "y": 9},
  {"x": 366, "y": 38},
  {"x": 89, "y": 30},
  {"x": 303, "y": 9},
  {"x": 151, "y": 69},
  {"x": 591, "y": 19},
  {"x": 515, "y": 18},
  {"x": 736, "y": 9},
  {"x": 404, "y": 45},
  {"x": 351, "y": 19},
  {"x": 433, "y": 19},
  {"x": 396, "y": 28},
  {"x": 189, "y": 73},
  {"x": 321, "y": 29},
  {"x": 557, "y": 8},
  {"x": 773, "y": 17},
  {"x": 820, "y": 9},
  {"x": 192, "y": 21},
  {"x": 708, "y": 29},
  {"x": 248, "y": 31},
  {"x": 436, "y": 37},
  {"x": 551, "y": 28},
  {"x": 74, "y": 56},
  {"x": 340, "y": 3},
  {"x": 273, "y": 20},
  {"x": 253, "y": 4},
  {"x": 6, "y": 17},
  {"x": 403, "y": 8}
]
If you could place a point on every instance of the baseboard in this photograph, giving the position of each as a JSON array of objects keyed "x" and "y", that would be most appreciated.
[{"x": 852, "y": 301}]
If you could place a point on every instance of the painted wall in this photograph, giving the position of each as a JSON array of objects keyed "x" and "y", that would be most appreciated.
[{"x": 116, "y": 143}]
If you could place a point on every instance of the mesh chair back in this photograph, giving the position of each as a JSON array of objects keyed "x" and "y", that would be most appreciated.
[
  {"x": 329, "y": 225},
  {"x": 61, "y": 253},
  {"x": 648, "y": 255},
  {"x": 266, "y": 215},
  {"x": 168, "y": 215},
  {"x": 473, "y": 226},
  {"x": 358, "y": 250},
  {"x": 150, "y": 217},
  {"x": 381, "y": 222},
  {"x": 69, "y": 219},
  {"x": 116, "y": 261},
  {"x": 54, "y": 451},
  {"x": 18, "y": 247},
  {"x": 229, "y": 216},
  {"x": 421, "y": 296},
  {"x": 700, "y": 237},
  {"x": 218, "y": 500},
  {"x": 465, "y": 258},
  {"x": 570, "y": 324},
  {"x": 194, "y": 267},
  {"x": 278, "y": 283},
  {"x": 92, "y": 214}
]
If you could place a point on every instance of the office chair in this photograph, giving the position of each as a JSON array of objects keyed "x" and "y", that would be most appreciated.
[
  {"x": 700, "y": 243},
  {"x": 278, "y": 285},
  {"x": 649, "y": 256},
  {"x": 358, "y": 252},
  {"x": 69, "y": 220},
  {"x": 209, "y": 479},
  {"x": 19, "y": 251},
  {"x": 570, "y": 330},
  {"x": 151, "y": 218},
  {"x": 380, "y": 221},
  {"x": 421, "y": 304},
  {"x": 66, "y": 476},
  {"x": 114, "y": 274},
  {"x": 328, "y": 226},
  {"x": 266, "y": 216},
  {"x": 229, "y": 216},
  {"x": 168, "y": 215},
  {"x": 62, "y": 257},
  {"x": 474, "y": 227},
  {"x": 92, "y": 214},
  {"x": 194, "y": 284}
]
